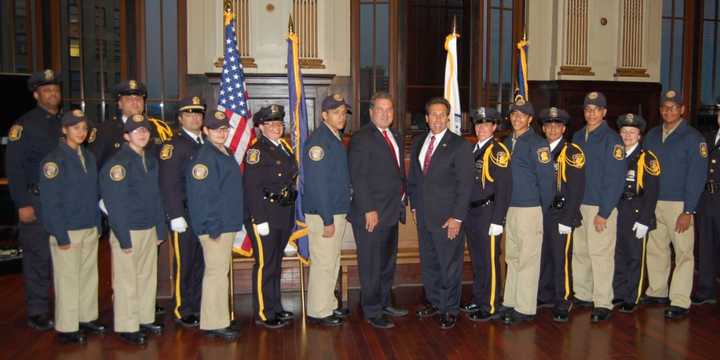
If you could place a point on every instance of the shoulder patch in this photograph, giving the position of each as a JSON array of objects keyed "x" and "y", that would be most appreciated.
[
  {"x": 253, "y": 156},
  {"x": 15, "y": 132},
  {"x": 92, "y": 136},
  {"x": 316, "y": 153},
  {"x": 501, "y": 157},
  {"x": 618, "y": 152},
  {"x": 703, "y": 150},
  {"x": 576, "y": 160},
  {"x": 543, "y": 155},
  {"x": 199, "y": 172},
  {"x": 50, "y": 170},
  {"x": 166, "y": 152},
  {"x": 117, "y": 173}
]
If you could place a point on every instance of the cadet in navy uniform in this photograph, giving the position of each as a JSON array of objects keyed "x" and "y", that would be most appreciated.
[
  {"x": 215, "y": 200},
  {"x": 31, "y": 138},
  {"x": 326, "y": 202},
  {"x": 593, "y": 258},
  {"x": 683, "y": 153},
  {"x": 532, "y": 194},
  {"x": 708, "y": 223},
  {"x": 130, "y": 186},
  {"x": 69, "y": 211},
  {"x": 175, "y": 157},
  {"x": 636, "y": 213},
  {"x": 562, "y": 216},
  {"x": 270, "y": 173},
  {"x": 491, "y": 192}
]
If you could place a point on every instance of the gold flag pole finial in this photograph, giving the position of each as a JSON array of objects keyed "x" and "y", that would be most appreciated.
[
  {"x": 291, "y": 25},
  {"x": 228, "y": 13}
]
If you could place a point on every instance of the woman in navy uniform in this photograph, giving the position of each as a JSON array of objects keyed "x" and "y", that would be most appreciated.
[
  {"x": 130, "y": 186},
  {"x": 69, "y": 212},
  {"x": 636, "y": 213},
  {"x": 215, "y": 202},
  {"x": 270, "y": 173}
]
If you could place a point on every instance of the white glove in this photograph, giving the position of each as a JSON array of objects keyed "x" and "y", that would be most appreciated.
[
  {"x": 178, "y": 225},
  {"x": 640, "y": 230},
  {"x": 263, "y": 229},
  {"x": 564, "y": 230},
  {"x": 101, "y": 205},
  {"x": 495, "y": 230}
]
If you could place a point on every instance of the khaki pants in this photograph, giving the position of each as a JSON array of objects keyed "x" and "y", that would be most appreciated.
[
  {"x": 75, "y": 276},
  {"x": 593, "y": 258},
  {"x": 134, "y": 280},
  {"x": 324, "y": 265},
  {"x": 214, "y": 301},
  {"x": 658, "y": 256},
  {"x": 523, "y": 241}
]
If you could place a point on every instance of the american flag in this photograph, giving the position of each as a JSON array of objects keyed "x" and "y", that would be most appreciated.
[{"x": 232, "y": 100}]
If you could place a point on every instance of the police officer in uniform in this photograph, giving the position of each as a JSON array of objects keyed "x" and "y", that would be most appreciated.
[
  {"x": 562, "y": 216},
  {"x": 593, "y": 255},
  {"x": 326, "y": 202},
  {"x": 175, "y": 156},
  {"x": 69, "y": 212},
  {"x": 532, "y": 193},
  {"x": 31, "y": 138},
  {"x": 270, "y": 173},
  {"x": 636, "y": 213},
  {"x": 215, "y": 200},
  {"x": 682, "y": 152},
  {"x": 708, "y": 223},
  {"x": 129, "y": 184},
  {"x": 491, "y": 192}
]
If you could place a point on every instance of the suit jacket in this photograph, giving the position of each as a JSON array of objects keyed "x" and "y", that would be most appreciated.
[
  {"x": 377, "y": 181},
  {"x": 445, "y": 191}
]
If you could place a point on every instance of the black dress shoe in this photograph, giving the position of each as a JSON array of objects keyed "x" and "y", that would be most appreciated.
[
  {"x": 701, "y": 301},
  {"x": 502, "y": 310},
  {"x": 271, "y": 323},
  {"x": 40, "y": 322},
  {"x": 74, "y": 337},
  {"x": 600, "y": 314},
  {"x": 627, "y": 308},
  {"x": 675, "y": 312},
  {"x": 330, "y": 320},
  {"x": 617, "y": 302},
  {"x": 513, "y": 317},
  {"x": 151, "y": 328},
  {"x": 159, "y": 310},
  {"x": 381, "y": 322},
  {"x": 654, "y": 300},
  {"x": 394, "y": 312},
  {"x": 483, "y": 315},
  {"x": 137, "y": 337},
  {"x": 561, "y": 316},
  {"x": 189, "y": 321},
  {"x": 582, "y": 303},
  {"x": 93, "y": 327},
  {"x": 447, "y": 321},
  {"x": 285, "y": 315},
  {"x": 227, "y": 334},
  {"x": 469, "y": 308},
  {"x": 427, "y": 311},
  {"x": 341, "y": 312}
]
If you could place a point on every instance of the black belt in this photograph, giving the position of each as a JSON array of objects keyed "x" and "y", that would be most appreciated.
[
  {"x": 286, "y": 196},
  {"x": 712, "y": 187},
  {"x": 483, "y": 202},
  {"x": 558, "y": 202}
]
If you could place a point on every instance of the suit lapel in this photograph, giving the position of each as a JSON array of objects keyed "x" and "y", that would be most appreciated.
[{"x": 440, "y": 150}]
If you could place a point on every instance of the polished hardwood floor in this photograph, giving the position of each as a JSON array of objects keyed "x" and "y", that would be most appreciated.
[{"x": 645, "y": 334}]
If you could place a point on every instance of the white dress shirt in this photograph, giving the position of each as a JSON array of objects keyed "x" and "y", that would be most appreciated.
[
  {"x": 394, "y": 143},
  {"x": 426, "y": 144}
]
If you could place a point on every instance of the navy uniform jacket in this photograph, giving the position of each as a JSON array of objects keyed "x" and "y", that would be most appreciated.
[
  {"x": 326, "y": 190},
  {"x": 445, "y": 191},
  {"x": 214, "y": 192},
  {"x": 713, "y": 174},
  {"x": 683, "y": 156},
  {"x": 605, "y": 167},
  {"x": 132, "y": 195},
  {"x": 269, "y": 171},
  {"x": 68, "y": 192},
  {"x": 32, "y": 137},
  {"x": 175, "y": 158},
  {"x": 641, "y": 198},
  {"x": 532, "y": 169},
  {"x": 493, "y": 180},
  {"x": 569, "y": 189},
  {"x": 106, "y": 139}
]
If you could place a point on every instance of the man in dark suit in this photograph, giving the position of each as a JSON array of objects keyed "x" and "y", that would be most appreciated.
[
  {"x": 439, "y": 185},
  {"x": 377, "y": 175}
]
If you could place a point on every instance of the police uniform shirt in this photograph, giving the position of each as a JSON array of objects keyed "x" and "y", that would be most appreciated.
[
  {"x": 106, "y": 138},
  {"x": 569, "y": 181},
  {"x": 714, "y": 158},
  {"x": 492, "y": 178},
  {"x": 68, "y": 192},
  {"x": 641, "y": 185},
  {"x": 31, "y": 138},
  {"x": 605, "y": 167},
  {"x": 175, "y": 158},
  {"x": 532, "y": 171},
  {"x": 683, "y": 156}
]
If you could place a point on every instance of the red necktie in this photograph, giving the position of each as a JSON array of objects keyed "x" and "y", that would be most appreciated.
[
  {"x": 428, "y": 155},
  {"x": 392, "y": 148}
]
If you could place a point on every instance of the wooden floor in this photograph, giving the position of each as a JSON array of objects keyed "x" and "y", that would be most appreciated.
[{"x": 645, "y": 334}]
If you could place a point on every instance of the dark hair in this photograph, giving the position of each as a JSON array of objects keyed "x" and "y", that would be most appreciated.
[
  {"x": 380, "y": 95},
  {"x": 437, "y": 100}
]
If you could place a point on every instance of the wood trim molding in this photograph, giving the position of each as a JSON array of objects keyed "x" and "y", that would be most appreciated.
[
  {"x": 576, "y": 71},
  {"x": 631, "y": 72}
]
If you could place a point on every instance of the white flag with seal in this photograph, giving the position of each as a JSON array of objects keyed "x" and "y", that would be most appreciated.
[{"x": 452, "y": 90}]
